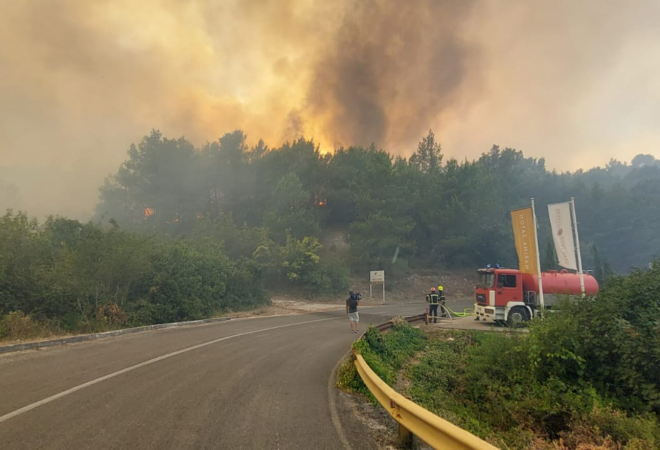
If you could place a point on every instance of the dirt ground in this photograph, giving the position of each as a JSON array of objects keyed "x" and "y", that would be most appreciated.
[
  {"x": 380, "y": 425},
  {"x": 458, "y": 287},
  {"x": 468, "y": 323},
  {"x": 285, "y": 306},
  {"x": 456, "y": 284}
]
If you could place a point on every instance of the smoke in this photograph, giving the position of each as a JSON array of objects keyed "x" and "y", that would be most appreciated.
[
  {"x": 391, "y": 70},
  {"x": 9, "y": 196},
  {"x": 79, "y": 81}
]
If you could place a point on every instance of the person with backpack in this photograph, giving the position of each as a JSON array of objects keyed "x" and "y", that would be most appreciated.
[
  {"x": 352, "y": 310},
  {"x": 434, "y": 300}
]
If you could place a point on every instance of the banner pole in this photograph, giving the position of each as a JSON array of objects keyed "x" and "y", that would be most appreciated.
[
  {"x": 538, "y": 259},
  {"x": 577, "y": 245}
]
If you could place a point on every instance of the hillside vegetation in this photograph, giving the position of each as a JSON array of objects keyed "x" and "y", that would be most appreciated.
[
  {"x": 183, "y": 232},
  {"x": 396, "y": 212}
]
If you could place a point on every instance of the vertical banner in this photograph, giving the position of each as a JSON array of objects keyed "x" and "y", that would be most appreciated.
[
  {"x": 562, "y": 234},
  {"x": 524, "y": 232}
]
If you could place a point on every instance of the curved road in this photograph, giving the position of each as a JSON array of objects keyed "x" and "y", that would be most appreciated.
[{"x": 245, "y": 383}]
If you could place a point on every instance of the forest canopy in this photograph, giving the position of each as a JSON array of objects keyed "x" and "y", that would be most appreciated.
[{"x": 426, "y": 209}]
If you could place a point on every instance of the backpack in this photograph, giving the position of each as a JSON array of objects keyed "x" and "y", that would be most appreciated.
[{"x": 354, "y": 299}]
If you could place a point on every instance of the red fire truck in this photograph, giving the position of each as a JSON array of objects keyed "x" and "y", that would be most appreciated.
[{"x": 506, "y": 295}]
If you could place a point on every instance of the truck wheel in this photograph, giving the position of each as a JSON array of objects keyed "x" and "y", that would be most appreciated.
[{"x": 517, "y": 317}]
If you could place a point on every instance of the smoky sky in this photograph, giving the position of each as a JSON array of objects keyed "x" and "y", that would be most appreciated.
[
  {"x": 574, "y": 82},
  {"x": 390, "y": 69}
]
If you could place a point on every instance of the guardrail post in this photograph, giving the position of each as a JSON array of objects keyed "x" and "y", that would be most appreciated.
[{"x": 406, "y": 438}]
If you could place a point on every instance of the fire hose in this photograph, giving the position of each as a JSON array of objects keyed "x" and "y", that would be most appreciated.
[
  {"x": 445, "y": 311},
  {"x": 465, "y": 312}
]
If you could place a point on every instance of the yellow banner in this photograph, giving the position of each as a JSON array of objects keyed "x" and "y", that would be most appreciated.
[{"x": 524, "y": 232}]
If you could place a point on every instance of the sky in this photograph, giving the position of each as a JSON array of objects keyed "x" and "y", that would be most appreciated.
[{"x": 575, "y": 83}]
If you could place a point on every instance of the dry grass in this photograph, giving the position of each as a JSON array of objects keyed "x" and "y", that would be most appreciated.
[{"x": 17, "y": 327}]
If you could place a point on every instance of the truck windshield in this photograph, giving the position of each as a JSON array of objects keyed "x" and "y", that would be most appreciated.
[{"x": 486, "y": 280}]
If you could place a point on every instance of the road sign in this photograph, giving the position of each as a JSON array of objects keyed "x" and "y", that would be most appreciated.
[{"x": 377, "y": 276}]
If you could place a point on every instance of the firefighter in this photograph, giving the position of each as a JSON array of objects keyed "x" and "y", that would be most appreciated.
[
  {"x": 441, "y": 300},
  {"x": 433, "y": 298}
]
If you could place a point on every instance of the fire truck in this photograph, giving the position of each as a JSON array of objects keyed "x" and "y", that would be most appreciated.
[{"x": 507, "y": 295}]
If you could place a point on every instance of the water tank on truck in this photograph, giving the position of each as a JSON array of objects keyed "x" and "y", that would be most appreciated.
[{"x": 557, "y": 283}]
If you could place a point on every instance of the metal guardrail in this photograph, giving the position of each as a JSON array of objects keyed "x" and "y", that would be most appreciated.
[
  {"x": 387, "y": 326},
  {"x": 412, "y": 418}
]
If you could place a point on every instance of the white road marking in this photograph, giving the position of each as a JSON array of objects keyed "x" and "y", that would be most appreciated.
[{"x": 142, "y": 364}]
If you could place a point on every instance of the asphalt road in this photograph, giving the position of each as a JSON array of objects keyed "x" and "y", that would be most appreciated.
[{"x": 247, "y": 383}]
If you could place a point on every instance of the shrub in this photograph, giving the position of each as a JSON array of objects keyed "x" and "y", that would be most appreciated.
[
  {"x": 87, "y": 278},
  {"x": 18, "y": 326},
  {"x": 386, "y": 353},
  {"x": 111, "y": 314},
  {"x": 491, "y": 385},
  {"x": 611, "y": 341},
  {"x": 330, "y": 277},
  {"x": 604, "y": 424}
]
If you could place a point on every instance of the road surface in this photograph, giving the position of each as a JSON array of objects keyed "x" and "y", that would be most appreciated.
[{"x": 247, "y": 383}]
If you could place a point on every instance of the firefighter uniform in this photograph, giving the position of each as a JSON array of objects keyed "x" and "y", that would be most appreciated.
[
  {"x": 441, "y": 300},
  {"x": 434, "y": 300}
]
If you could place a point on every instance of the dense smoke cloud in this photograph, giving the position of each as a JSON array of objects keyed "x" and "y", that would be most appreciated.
[
  {"x": 79, "y": 81},
  {"x": 391, "y": 70}
]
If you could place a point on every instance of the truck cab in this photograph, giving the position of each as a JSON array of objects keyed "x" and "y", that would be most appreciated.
[{"x": 500, "y": 297}]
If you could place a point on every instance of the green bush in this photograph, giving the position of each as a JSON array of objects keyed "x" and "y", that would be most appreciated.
[
  {"x": 386, "y": 353},
  {"x": 298, "y": 264},
  {"x": 244, "y": 287},
  {"x": 611, "y": 341},
  {"x": 87, "y": 278},
  {"x": 330, "y": 277},
  {"x": 491, "y": 385},
  {"x": 349, "y": 379}
]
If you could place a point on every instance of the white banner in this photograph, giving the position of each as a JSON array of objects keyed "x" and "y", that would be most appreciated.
[{"x": 562, "y": 234}]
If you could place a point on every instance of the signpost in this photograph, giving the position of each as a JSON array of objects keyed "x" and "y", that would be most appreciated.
[{"x": 376, "y": 276}]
